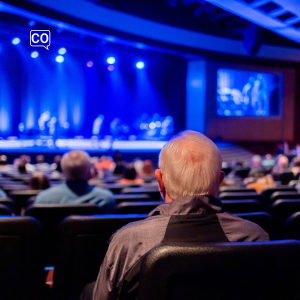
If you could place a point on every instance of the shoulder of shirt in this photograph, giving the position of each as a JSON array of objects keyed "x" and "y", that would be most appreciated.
[
  {"x": 102, "y": 191},
  {"x": 52, "y": 190}
]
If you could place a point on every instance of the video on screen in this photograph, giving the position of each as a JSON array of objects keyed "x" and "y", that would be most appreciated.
[{"x": 248, "y": 93}]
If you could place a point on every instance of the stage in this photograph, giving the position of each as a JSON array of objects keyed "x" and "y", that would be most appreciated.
[{"x": 144, "y": 149}]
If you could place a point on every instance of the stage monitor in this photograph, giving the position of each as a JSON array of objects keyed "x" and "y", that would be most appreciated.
[{"x": 248, "y": 93}]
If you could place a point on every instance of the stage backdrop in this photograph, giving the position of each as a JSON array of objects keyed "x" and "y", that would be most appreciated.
[{"x": 77, "y": 94}]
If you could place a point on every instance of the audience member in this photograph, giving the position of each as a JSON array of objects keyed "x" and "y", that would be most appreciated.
[
  {"x": 41, "y": 164},
  {"x": 56, "y": 167},
  {"x": 281, "y": 166},
  {"x": 129, "y": 176},
  {"x": 26, "y": 160},
  {"x": 257, "y": 170},
  {"x": 76, "y": 190},
  {"x": 4, "y": 168},
  {"x": 148, "y": 169},
  {"x": 262, "y": 183},
  {"x": 120, "y": 164},
  {"x": 188, "y": 178},
  {"x": 296, "y": 167},
  {"x": 39, "y": 181}
]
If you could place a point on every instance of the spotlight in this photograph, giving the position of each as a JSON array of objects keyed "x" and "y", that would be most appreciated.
[
  {"x": 59, "y": 58},
  {"x": 34, "y": 54},
  {"x": 110, "y": 67},
  {"x": 31, "y": 23},
  {"x": 89, "y": 64},
  {"x": 62, "y": 51},
  {"x": 140, "y": 65},
  {"x": 111, "y": 60},
  {"x": 16, "y": 41},
  {"x": 59, "y": 30}
]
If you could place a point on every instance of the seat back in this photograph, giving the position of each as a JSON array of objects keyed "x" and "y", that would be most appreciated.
[
  {"x": 235, "y": 189},
  {"x": 286, "y": 177},
  {"x": 82, "y": 244},
  {"x": 262, "y": 270},
  {"x": 20, "y": 197},
  {"x": 152, "y": 191},
  {"x": 241, "y": 206},
  {"x": 137, "y": 207},
  {"x": 50, "y": 215},
  {"x": 8, "y": 202},
  {"x": 242, "y": 172},
  {"x": 284, "y": 195},
  {"x": 131, "y": 197},
  {"x": 281, "y": 210},
  {"x": 5, "y": 210},
  {"x": 21, "y": 271},
  {"x": 268, "y": 192},
  {"x": 292, "y": 226}
]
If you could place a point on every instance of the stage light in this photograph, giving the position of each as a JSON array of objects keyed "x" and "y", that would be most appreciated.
[
  {"x": 62, "y": 51},
  {"x": 140, "y": 65},
  {"x": 16, "y": 41},
  {"x": 34, "y": 54},
  {"x": 59, "y": 58},
  {"x": 89, "y": 64},
  {"x": 31, "y": 23},
  {"x": 152, "y": 125},
  {"x": 110, "y": 67},
  {"x": 111, "y": 60}
]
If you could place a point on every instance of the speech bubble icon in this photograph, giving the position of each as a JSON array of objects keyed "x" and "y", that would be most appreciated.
[{"x": 40, "y": 38}]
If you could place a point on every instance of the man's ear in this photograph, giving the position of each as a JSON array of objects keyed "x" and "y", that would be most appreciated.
[
  {"x": 222, "y": 176},
  {"x": 160, "y": 180}
]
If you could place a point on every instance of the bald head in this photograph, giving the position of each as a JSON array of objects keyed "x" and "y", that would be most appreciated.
[
  {"x": 76, "y": 165},
  {"x": 190, "y": 164}
]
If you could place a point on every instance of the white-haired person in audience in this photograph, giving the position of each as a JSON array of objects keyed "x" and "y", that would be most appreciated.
[
  {"x": 189, "y": 178},
  {"x": 76, "y": 190},
  {"x": 281, "y": 166}
]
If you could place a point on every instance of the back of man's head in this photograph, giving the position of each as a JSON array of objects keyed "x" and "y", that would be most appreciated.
[
  {"x": 191, "y": 165},
  {"x": 76, "y": 165}
]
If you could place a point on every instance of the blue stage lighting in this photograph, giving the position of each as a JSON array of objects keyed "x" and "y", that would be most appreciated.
[
  {"x": 140, "y": 65},
  {"x": 111, "y": 60},
  {"x": 59, "y": 58},
  {"x": 34, "y": 54},
  {"x": 89, "y": 64},
  {"x": 62, "y": 51},
  {"x": 16, "y": 41},
  {"x": 31, "y": 23}
]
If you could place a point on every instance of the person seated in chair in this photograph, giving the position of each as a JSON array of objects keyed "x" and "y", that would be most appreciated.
[
  {"x": 189, "y": 178},
  {"x": 76, "y": 190}
]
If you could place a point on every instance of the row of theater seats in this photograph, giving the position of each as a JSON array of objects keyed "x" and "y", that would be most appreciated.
[{"x": 78, "y": 246}]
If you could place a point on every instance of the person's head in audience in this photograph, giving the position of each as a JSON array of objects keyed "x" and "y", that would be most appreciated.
[
  {"x": 76, "y": 165},
  {"x": 282, "y": 162},
  {"x": 3, "y": 160},
  {"x": 39, "y": 181},
  {"x": 130, "y": 173},
  {"x": 190, "y": 164},
  {"x": 40, "y": 159},
  {"x": 256, "y": 160},
  {"x": 22, "y": 168},
  {"x": 148, "y": 168},
  {"x": 268, "y": 156}
]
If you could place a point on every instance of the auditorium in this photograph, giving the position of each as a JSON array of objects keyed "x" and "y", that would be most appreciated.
[{"x": 149, "y": 149}]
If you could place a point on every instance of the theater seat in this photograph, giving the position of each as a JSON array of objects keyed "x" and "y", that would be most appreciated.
[
  {"x": 286, "y": 177},
  {"x": 8, "y": 202},
  {"x": 235, "y": 189},
  {"x": 50, "y": 215},
  {"x": 152, "y": 191},
  {"x": 20, "y": 197},
  {"x": 268, "y": 192},
  {"x": 82, "y": 244},
  {"x": 284, "y": 195},
  {"x": 228, "y": 271},
  {"x": 241, "y": 206},
  {"x": 116, "y": 188},
  {"x": 137, "y": 207},
  {"x": 21, "y": 271},
  {"x": 292, "y": 226},
  {"x": 131, "y": 197},
  {"x": 4, "y": 210},
  {"x": 281, "y": 210},
  {"x": 242, "y": 172}
]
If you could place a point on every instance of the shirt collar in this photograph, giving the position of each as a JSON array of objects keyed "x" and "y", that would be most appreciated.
[{"x": 187, "y": 205}]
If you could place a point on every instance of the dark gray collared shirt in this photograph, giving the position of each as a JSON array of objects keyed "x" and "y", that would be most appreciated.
[{"x": 186, "y": 219}]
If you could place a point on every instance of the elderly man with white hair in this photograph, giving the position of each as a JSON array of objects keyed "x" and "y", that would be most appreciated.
[
  {"x": 76, "y": 190},
  {"x": 188, "y": 178}
]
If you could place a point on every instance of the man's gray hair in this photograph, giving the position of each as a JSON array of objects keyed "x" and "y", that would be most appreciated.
[
  {"x": 76, "y": 165},
  {"x": 191, "y": 165}
]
